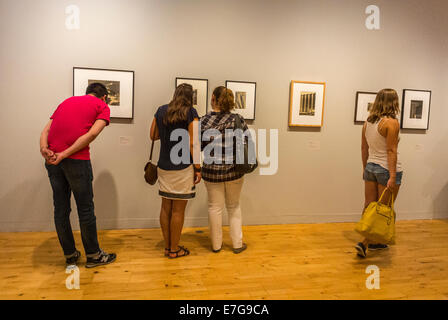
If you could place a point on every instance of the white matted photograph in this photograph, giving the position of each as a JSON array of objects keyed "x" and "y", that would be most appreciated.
[
  {"x": 245, "y": 93},
  {"x": 415, "y": 109},
  {"x": 307, "y": 101},
  {"x": 200, "y": 93},
  {"x": 119, "y": 84},
  {"x": 364, "y": 101}
]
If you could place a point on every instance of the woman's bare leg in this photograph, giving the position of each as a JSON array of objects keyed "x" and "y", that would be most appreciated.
[
  {"x": 177, "y": 223},
  {"x": 165, "y": 219}
]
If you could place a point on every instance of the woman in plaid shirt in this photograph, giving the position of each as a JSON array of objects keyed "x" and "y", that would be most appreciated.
[{"x": 222, "y": 181}]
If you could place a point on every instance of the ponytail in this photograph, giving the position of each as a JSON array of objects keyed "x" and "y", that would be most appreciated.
[{"x": 224, "y": 98}]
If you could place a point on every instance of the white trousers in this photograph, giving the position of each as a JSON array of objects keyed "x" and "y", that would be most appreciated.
[{"x": 225, "y": 195}]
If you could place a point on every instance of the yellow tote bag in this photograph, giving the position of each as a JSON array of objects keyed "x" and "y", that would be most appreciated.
[{"x": 378, "y": 222}]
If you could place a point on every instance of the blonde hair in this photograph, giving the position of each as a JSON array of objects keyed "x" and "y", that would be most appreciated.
[
  {"x": 385, "y": 105},
  {"x": 224, "y": 98}
]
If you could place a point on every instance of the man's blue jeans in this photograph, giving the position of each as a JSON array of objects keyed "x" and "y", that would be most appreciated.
[{"x": 74, "y": 176}]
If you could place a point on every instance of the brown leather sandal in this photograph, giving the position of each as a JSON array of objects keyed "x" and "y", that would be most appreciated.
[{"x": 186, "y": 252}]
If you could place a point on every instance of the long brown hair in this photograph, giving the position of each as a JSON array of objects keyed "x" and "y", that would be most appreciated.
[
  {"x": 385, "y": 105},
  {"x": 224, "y": 98},
  {"x": 180, "y": 105}
]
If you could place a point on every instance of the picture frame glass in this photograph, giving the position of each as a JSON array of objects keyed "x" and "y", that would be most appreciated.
[
  {"x": 120, "y": 86},
  {"x": 307, "y": 104},
  {"x": 415, "y": 110},
  {"x": 364, "y": 101},
  {"x": 200, "y": 93},
  {"x": 245, "y": 98}
]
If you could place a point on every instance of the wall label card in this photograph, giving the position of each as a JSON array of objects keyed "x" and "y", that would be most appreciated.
[
  {"x": 314, "y": 145},
  {"x": 126, "y": 141}
]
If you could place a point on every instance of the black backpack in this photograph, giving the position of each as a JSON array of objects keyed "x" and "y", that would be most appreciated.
[{"x": 247, "y": 165}]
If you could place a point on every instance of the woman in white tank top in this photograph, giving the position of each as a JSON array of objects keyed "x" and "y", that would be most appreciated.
[{"x": 380, "y": 158}]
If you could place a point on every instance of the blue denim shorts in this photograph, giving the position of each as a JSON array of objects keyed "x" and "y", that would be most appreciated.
[{"x": 377, "y": 173}]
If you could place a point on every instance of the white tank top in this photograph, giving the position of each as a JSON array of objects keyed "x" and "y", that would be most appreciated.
[{"x": 378, "y": 147}]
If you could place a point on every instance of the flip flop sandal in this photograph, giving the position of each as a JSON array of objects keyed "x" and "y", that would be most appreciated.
[{"x": 186, "y": 253}]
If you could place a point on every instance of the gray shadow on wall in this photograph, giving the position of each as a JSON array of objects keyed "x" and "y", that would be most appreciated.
[
  {"x": 106, "y": 201},
  {"x": 304, "y": 129},
  {"x": 121, "y": 121},
  {"x": 441, "y": 204},
  {"x": 412, "y": 131},
  {"x": 21, "y": 207},
  {"x": 440, "y": 196}
]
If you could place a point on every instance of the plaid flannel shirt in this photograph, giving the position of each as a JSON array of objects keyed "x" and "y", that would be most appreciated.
[{"x": 222, "y": 168}]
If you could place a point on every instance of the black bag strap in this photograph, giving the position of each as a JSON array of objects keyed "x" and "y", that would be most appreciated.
[
  {"x": 152, "y": 148},
  {"x": 238, "y": 124}
]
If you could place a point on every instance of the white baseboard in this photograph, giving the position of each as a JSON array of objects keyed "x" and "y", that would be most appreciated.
[{"x": 146, "y": 223}]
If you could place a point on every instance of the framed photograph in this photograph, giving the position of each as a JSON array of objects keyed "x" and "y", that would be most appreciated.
[
  {"x": 245, "y": 97},
  {"x": 200, "y": 93},
  {"x": 306, "y": 106},
  {"x": 119, "y": 84},
  {"x": 416, "y": 109},
  {"x": 364, "y": 101}
]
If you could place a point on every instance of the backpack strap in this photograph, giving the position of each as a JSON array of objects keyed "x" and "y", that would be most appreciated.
[{"x": 238, "y": 124}]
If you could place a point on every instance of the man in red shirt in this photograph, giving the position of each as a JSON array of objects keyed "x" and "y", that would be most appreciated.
[{"x": 64, "y": 143}]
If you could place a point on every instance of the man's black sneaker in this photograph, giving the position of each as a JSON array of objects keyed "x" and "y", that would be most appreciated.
[
  {"x": 102, "y": 259},
  {"x": 73, "y": 259},
  {"x": 361, "y": 248},
  {"x": 378, "y": 246}
]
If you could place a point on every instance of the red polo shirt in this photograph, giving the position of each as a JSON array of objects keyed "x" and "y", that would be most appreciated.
[{"x": 73, "y": 118}]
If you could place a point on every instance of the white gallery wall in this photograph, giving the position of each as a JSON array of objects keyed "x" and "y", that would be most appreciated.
[{"x": 319, "y": 178}]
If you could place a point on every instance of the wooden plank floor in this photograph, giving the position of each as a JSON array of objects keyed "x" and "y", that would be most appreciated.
[{"x": 313, "y": 261}]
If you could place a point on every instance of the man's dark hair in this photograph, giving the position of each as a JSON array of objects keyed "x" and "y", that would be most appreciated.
[{"x": 99, "y": 90}]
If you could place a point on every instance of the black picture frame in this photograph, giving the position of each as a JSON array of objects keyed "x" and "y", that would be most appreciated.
[
  {"x": 356, "y": 121},
  {"x": 255, "y": 95},
  {"x": 195, "y": 79},
  {"x": 403, "y": 99},
  {"x": 112, "y": 70}
]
